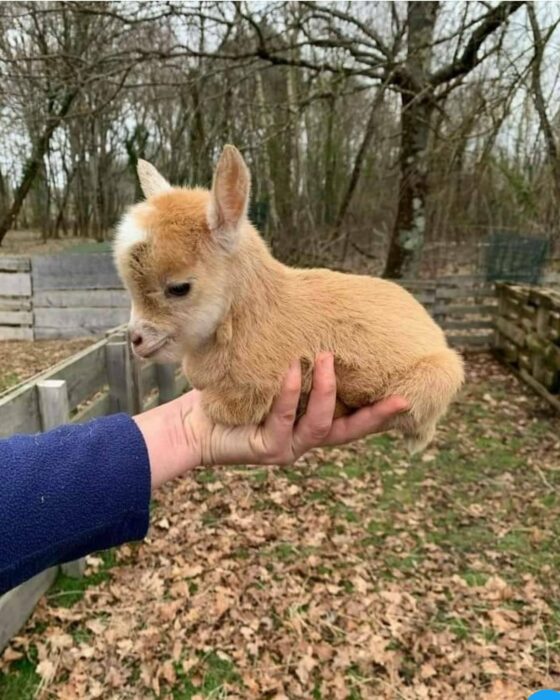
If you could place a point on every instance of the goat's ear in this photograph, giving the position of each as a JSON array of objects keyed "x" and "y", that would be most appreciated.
[
  {"x": 151, "y": 181},
  {"x": 230, "y": 196}
]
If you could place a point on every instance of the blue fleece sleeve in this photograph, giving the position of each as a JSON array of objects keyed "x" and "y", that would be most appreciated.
[{"x": 69, "y": 492}]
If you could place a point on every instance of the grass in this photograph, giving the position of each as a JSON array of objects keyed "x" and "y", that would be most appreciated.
[
  {"x": 22, "y": 681},
  {"x": 8, "y": 380},
  {"x": 67, "y": 591},
  {"x": 89, "y": 247},
  {"x": 210, "y": 678}
]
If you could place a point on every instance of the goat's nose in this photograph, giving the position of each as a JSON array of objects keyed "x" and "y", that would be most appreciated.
[{"x": 136, "y": 338}]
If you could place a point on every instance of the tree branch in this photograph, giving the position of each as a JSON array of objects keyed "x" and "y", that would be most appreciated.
[{"x": 469, "y": 59}]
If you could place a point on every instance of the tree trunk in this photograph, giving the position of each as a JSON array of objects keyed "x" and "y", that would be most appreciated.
[
  {"x": 265, "y": 123},
  {"x": 357, "y": 167},
  {"x": 407, "y": 238},
  {"x": 33, "y": 164},
  {"x": 538, "y": 98},
  {"x": 417, "y": 103},
  {"x": 330, "y": 155}
]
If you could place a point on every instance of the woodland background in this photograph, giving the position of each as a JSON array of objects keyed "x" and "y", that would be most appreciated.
[{"x": 380, "y": 135}]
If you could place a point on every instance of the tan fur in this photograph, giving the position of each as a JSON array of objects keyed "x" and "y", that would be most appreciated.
[{"x": 247, "y": 316}]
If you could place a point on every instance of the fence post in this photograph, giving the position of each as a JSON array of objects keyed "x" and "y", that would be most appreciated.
[
  {"x": 123, "y": 375},
  {"x": 17, "y": 605},
  {"x": 165, "y": 380},
  {"x": 53, "y": 403},
  {"x": 54, "y": 409}
]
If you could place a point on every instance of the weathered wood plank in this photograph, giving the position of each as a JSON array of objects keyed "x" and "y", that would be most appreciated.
[
  {"x": 416, "y": 284},
  {"x": 74, "y": 271},
  {"x": 89, "y": 299},
  {"x": 165, "y": 378},
  {"x": 151, "y": 401},
  {"x": 148, "y": 378},
  {"x": 425, "y": 298},
  {"x": 466, "y": 324},
  {"x": 85, "y": 373},
  {"x": 17, "y": 605},
  {"x": 101, "y": 406},
  {"x": 508, "y": 350},
  {"x": 123, "y": 377},
  {"x": 511, "y": 331},
  {"x": 76, "y": 322},
  {"x": 539, "y": 388},
  {"x": 181, "y": 384},
  {"x": 468, "y": 341},
  {"x": 14, "y": 263},
  {"x": 74, "y": 569},
  {"x": 16, "y": 333},
  {"x": 465, "y": 309},
  {"x": 15, "y": 284},
  {"x": 447, "y": 280},
  {"x": 465, "y": 293},
  {"x": 19, "y": 411},
  {"x": 53, "y": 403},
  {"x": 16, "y": 318},
  {"x": 17, "y": 304}
]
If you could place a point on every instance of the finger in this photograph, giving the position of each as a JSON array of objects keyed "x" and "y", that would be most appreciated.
[
  {"x": 371, "y": 419},
  {"x": 279, "y": 423},
  {"x": 315, "y": 425}
]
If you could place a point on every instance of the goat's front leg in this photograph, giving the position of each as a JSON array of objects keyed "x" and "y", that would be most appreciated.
[{"x": 237, "y": 407}]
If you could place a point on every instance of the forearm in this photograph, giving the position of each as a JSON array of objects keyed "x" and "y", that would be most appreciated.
[{"x": 71, "y": 491}]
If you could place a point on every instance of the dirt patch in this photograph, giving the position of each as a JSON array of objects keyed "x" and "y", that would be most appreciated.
[
  {"x": 358, "y": 573},
  {"x": 31, "y": 243},
  {"x": 21, "y": 359}
]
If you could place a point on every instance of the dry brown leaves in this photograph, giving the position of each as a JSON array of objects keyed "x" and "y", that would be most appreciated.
[
  {"x": 21, "y": 359},
  {"x": 320, "y": 581}
]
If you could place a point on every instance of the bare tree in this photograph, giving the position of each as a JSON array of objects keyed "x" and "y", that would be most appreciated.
[
  {"x": 374, "y": 132},
  {"x": 540, "y": 41}
]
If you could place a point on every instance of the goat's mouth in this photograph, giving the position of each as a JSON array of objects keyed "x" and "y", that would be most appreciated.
[{"x": 146, "y": 352}]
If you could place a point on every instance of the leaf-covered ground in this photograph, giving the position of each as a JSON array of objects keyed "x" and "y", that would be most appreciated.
[
  {"x": 357, "y": 573},
  {"x": 21, "y": 359}
]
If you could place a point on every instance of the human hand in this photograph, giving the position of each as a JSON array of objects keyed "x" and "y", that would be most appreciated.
[{"x": 180, "y": 436}]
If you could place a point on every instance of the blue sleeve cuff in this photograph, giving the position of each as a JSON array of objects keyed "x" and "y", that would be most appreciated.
[{"x": 69, "y": 492}]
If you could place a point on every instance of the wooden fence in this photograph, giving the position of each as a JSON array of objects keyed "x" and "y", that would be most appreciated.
[
  {"x": 463, "y": 306},
  {"x": 16, "y": 313},
  {"x": 101, "y": 379},
  {"x": 60, "y": 296},
  {"x": 528, "y": 336},
  {"x": 71, "y": 295}
]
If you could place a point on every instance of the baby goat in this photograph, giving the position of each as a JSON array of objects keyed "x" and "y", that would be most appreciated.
[{"x": 206, "y": 290}]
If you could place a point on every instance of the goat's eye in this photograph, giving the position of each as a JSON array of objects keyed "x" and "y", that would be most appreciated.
[{"x": 178, "y": 290}]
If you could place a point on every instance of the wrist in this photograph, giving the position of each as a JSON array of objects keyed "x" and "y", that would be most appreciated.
[{"x": 172, "y": 451}]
